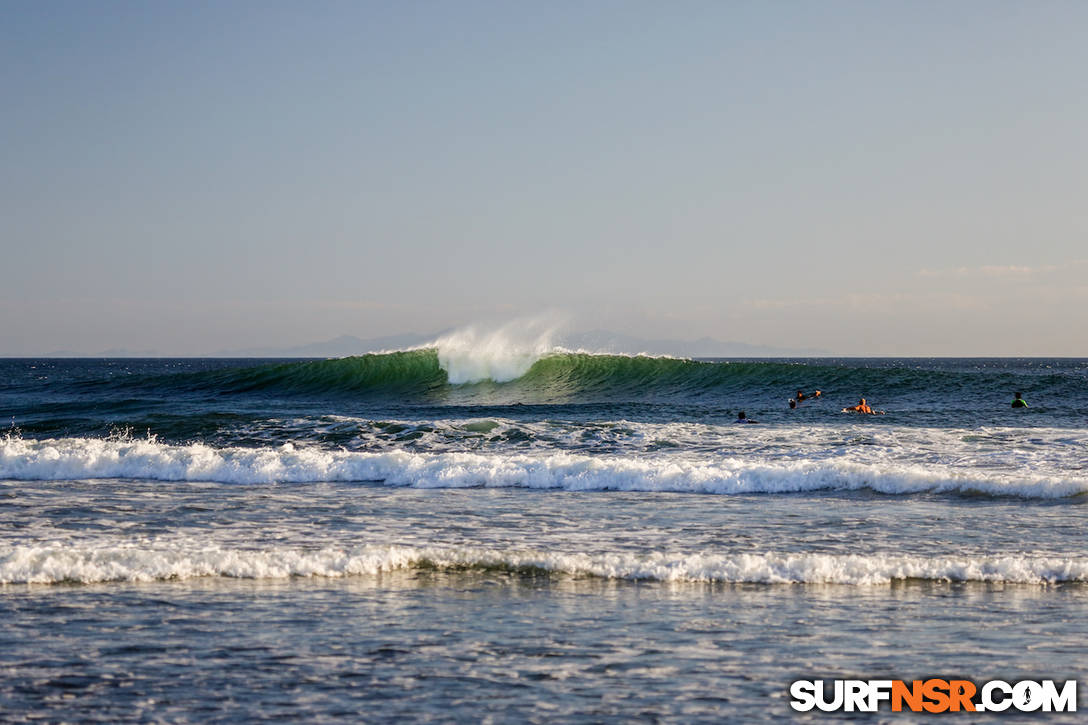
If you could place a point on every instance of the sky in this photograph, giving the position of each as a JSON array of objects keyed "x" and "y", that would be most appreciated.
[{"x": 892, "y": 178}]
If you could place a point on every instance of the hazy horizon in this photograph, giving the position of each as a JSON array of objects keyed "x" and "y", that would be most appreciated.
[
  {"x": 873, "y": 180},
  {"x": 492, "y": 337}
]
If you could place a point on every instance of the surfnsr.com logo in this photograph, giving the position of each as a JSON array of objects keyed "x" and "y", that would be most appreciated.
[{"x": 934, "y": 695}]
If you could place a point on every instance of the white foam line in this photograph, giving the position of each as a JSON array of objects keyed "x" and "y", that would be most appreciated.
[
  {"x": 133, "y": 562},
  {"x": 92, "y": 458}
]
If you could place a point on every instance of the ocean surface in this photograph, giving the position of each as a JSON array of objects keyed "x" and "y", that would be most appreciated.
[{"x": 530, "y": 536}]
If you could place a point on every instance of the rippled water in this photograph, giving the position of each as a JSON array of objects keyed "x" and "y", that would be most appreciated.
[
  {"x": 506, "y": 648},
  {"x": 194, "y": 541}
]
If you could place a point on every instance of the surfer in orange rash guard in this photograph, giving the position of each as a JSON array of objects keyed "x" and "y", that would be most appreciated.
[{"x": 862, "y": 407}]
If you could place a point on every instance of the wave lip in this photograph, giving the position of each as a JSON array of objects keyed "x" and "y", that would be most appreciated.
[
  {"x": 88, "y": 563},
  {"x": 91, "y": 458},
  {"x": 473, "y": 355}
]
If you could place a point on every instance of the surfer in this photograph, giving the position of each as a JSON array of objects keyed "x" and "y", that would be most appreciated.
[
  {"x": 793, "y": 403},
  {"x": 862, "y": 407},
  {"x": 1018, "y": 402},
  {"x": 742, "y": 418},
  {"x": 801, "y": 395}
]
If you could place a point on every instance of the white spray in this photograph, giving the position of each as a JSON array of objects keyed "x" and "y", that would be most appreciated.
[{"x": 474, "y": 353}]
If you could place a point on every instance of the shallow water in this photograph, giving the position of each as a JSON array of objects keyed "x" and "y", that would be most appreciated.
[{"x": 507, "y": 648}]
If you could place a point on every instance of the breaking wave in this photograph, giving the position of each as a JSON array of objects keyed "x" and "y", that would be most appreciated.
[
  {"x": 481, "y": 369},
  {"x": 433, "y": 375},
  {"x": 180, "y": 560},
  {"x": 147, "y": 459}
]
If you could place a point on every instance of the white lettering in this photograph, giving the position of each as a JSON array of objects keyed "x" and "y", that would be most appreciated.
[
  {"x": 1065, "y": 701},
  {"x": 836, "y": 701},
  {"x": 855, "y": 697},
  {"x": 1027, "y": 696},
  {"x": 803, "y": 693},
  {"x": 879, "y": 690},
  {"x": 993, "y": 696},
  {"x": 988, "y": 701}
]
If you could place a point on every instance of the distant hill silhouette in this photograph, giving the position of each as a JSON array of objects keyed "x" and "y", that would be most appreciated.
[
  {"x": 607, "y": 341},
  {"x": 337, "y": 347},
  {"x": 593, "y": 341},
  {"x": 112, "y": 352}
]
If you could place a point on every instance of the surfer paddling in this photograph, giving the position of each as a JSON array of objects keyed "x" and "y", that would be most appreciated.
[
  {"x": 862, "y": 407},
  {"x": 742, "y": 418},
  {"x": 811, "y": 396}
]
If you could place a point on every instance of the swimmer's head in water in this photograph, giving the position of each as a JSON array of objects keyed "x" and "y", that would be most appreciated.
[{"x": 793, "y": 403}]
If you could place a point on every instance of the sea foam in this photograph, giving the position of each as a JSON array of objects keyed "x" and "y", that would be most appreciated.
[
  {"x": 148, "y": 459},
  {"x": 189, "y": 559}
]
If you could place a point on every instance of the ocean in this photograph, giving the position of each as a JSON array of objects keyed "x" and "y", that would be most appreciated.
[{"x": 511, "y": 536}]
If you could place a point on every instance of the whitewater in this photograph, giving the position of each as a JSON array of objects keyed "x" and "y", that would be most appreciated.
[
  {"x": 494, "y": 518},
  {"x": 178, "y": 560},
  {"x": 884, "y": 470}
]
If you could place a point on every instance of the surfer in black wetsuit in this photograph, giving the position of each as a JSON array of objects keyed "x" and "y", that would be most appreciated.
[
  {"x": 742, "y": 418},
  {"x": 1018, "y": 402}
]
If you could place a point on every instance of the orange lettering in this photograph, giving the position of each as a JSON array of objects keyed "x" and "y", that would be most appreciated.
[
  {"x": 936, "y": 691},
  {"x": 961, "y": 692},
  {"x": 912, "y": 695}
]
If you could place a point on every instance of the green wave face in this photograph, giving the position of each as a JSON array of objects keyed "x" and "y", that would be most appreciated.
[
  {"x": 411, "y": 372},
  {"x": 417, "y": 377},
  {"x": 566, "y": 377}
]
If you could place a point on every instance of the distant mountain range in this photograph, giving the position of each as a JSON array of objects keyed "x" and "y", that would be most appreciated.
[
  {"x": 593, "y": 341},
  {"x": 606, "y": 341},
  {"x": 112, "y": 352},
  {"x": 342, "y": 346}
]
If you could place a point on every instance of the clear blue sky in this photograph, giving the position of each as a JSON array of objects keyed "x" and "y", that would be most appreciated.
[{"x": 869, "y": 178}]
